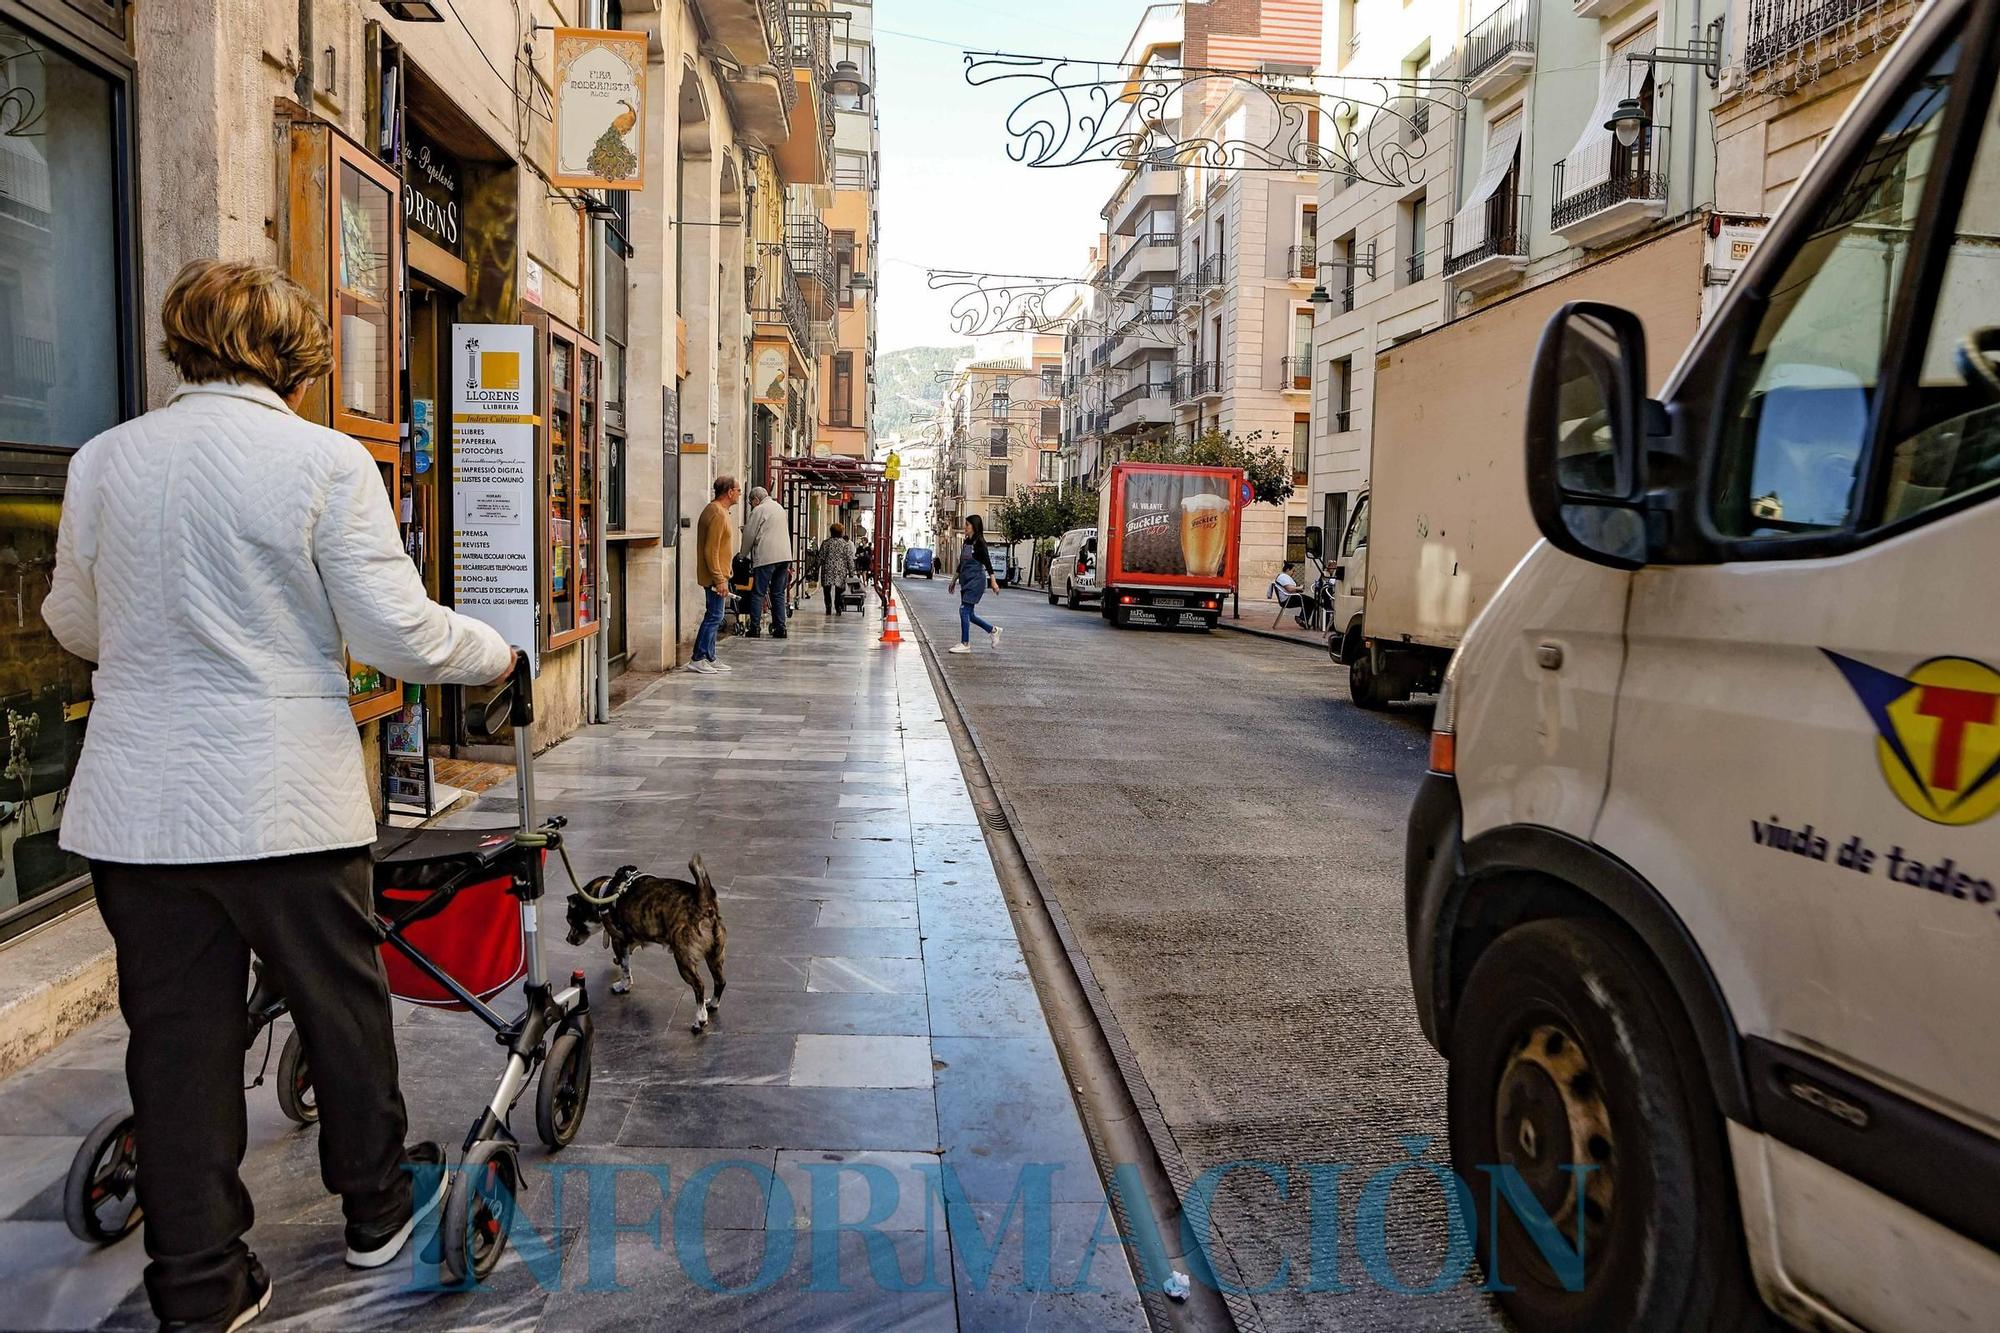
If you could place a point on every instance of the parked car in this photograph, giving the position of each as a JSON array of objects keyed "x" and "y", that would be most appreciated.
[
  {"x": 1073, "y": 571},
  {"x": 1701, "y": 880},
  {"x": 919, "y": 560},
  {"x": 1003, "y": 567}
]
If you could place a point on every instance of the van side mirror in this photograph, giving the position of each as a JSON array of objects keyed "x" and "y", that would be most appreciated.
[
  {"x": 1315, "y": 542},
  {"x": 1586, "y": 441}
]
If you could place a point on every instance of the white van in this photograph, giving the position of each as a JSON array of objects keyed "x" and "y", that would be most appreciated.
[
  {"x": 1702, "y": 886},
  {"x": 1073, "y": 568}
]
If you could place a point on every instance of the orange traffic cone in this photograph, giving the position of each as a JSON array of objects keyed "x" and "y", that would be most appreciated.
[{"x": 890, "y": 634}]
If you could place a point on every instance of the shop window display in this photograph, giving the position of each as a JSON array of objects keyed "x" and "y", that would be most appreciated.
[
  {"x": 569, "y": 521},
  {"x": 344, "y": 244}
]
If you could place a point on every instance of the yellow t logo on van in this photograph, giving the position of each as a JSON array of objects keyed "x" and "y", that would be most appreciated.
[{"x": 1937, "y": 734}]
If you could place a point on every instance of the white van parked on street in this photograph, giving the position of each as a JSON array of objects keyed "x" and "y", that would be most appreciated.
[
  {"x": 1073, "y": 570},
  {"x": 1702, "y": 885}
]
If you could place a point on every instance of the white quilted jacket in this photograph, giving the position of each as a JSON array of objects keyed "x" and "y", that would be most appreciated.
[{"x": 214, "y": 557}]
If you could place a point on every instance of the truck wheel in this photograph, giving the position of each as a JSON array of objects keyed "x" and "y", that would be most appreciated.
[
  {"x": 1569, "y": 1051},
  {"x": 1116, "y": 615},
  {"x": 1364, "y": 682}
]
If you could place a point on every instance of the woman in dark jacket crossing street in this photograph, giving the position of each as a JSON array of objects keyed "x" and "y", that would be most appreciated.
[{"x": 975, "y": 572}]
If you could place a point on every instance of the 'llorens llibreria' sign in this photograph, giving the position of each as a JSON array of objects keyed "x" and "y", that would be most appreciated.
[{"x": 431, "y": 204}]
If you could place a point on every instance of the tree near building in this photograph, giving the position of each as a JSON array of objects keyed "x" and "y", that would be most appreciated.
[
  {"x": 1044, "y": 512},
  {"x": 1269, "y": 467}
]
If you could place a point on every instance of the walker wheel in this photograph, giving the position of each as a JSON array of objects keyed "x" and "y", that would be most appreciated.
[
  {"x": 478, "y": 1214},
  {"x": 100, "y": 1197},
  {"x": 295, "y": 1088},
  {"x": 564, "y": 1089}
]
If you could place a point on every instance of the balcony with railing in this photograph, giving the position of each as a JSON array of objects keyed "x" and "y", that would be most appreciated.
[
  {"x": 1500, "y": 48},
  {"x": 1302, "y": 263},
  {"x": 1151, "y": 252},
  {"x": 778, "y": 300},
  {"x": 1295, "y": 374},
  {"x": 1147, "y": 329},
  {"x": 747, "y": 29},
  {"x": 809, "y": 244},
  {"x": 1153, "y": 183},
  {"x": 1774, "y": 29},
  {"x": 1207, "y": 276},
  {"x": 1414, "y": 265},
  {"x": 1147, "y": 402},
  {"x": 1613, "y": 191},
  {"x": 804, "y": 150},
  {"x": 1342, "y": 420},
  {"x": 761, "y": 88},
  {"x": 1494, "y": 241},
  {"x": 1195, "y": 382}
]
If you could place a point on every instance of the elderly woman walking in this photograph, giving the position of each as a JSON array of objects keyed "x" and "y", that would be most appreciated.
[
  {"x": 218, "y": 560},
  {"x": 836, "y": 566}
]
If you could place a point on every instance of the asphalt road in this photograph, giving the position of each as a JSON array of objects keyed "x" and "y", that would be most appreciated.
[{"x": 1224, "y": 831}]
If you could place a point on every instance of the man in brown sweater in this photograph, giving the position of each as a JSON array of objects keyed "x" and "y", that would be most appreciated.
[{"x": 715, "y": 543}]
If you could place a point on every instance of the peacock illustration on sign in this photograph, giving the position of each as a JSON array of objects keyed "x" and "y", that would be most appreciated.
[{"x": 600, "y": 88}]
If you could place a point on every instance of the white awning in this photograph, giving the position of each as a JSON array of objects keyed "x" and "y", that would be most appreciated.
[
  {"x": 1468, "y": 226},
  {"x": 1589, "y": 161}
]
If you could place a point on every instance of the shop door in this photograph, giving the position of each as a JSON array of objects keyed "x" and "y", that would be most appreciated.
[{"x": 426, "y": 460}]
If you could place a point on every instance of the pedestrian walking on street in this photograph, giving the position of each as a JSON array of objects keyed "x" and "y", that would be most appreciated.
[
  {"x": 217, "y": 560},
  {"x": 767, "y": 540},
  {"x": 836, "y": 567},
  {"x": 975, "y": 574},
  {"x": 715, "y": 544}
]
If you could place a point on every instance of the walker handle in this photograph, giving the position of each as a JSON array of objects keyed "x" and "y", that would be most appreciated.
[{"x": 514, "y": 702}]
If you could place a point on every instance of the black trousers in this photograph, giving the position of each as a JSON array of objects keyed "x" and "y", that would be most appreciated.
[{"x": 184, "y": 935}]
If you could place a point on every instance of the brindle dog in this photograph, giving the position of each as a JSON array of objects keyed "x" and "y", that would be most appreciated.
[{"x": 648, "y": 909}]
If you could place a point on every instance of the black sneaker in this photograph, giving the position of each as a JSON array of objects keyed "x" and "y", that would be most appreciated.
[
  {"x": 781, "y": 634},
  {"x": 256, "y": 1296},
  {"x": 371, "y": 1247}
]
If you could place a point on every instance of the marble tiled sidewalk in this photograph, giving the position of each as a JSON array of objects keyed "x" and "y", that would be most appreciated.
[{"x": 879, "y": 1024}]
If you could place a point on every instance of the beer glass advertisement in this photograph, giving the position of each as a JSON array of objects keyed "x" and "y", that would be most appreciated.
[{"x": 1177, "y": 524}]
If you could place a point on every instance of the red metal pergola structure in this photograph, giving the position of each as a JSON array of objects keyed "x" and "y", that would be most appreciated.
[{"x": 794, "y": 481}]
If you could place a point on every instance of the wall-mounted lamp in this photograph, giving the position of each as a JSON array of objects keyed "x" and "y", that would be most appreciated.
[
  {"x": 847, "y": 81},
  {"x": 860, "y": 282},
  {"x": 1628, "y": 122},
  {"x": 1362, "y": 262}
]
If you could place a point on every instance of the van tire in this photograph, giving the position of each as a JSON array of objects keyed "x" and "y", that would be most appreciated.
[
  {"x": 1566, "y": 1026},
  {"x": 1075, "y": 602},
  {"x": 1052, "y": 594},
  {"x": 1364, "y": 683}
]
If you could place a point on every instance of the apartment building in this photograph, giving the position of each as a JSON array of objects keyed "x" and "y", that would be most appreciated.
[
  {"x": 1086, "y": 401},
  {"x": 1203, "y": 320},
  {"x": 853, "y": 220},
  {"x": 1379, "y": 259},
  {"x": 1000, "y": 426},
  {"x": 1522, "y": 180}
]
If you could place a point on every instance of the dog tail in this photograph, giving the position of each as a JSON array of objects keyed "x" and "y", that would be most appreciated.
[{"x": 701, "y": 880}]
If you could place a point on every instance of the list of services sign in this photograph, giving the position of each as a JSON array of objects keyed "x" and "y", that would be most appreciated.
[{"x": 493, "y": 424}]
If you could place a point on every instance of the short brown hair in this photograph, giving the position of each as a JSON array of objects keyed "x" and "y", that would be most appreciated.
[
  {"x": 724, "y": 484},
  {"x": 244, "y": 322}
]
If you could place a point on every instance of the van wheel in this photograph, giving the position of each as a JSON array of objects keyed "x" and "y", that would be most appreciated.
[
  {"x": 1052, "y": 593},
  {"x": 1364, "y": 683},
  {"x": 1569, "y": 1050},
  {"x": 1075, "y": 602}
]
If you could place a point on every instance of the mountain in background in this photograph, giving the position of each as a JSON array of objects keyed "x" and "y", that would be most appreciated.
[{"x": 908, "y": 388}]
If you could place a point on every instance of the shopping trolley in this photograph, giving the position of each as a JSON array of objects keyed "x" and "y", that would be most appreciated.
[{"x": 457, "y": 910}]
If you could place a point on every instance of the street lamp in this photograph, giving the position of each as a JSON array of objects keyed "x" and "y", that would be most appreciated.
[
  {"x": 847, "y": 82},
  {"x": 1628, "y": 122}
]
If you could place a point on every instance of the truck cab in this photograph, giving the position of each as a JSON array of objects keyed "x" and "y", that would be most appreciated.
[
  {"x": 1350, "y": 583},
  {"x": 1703, "y": 885}
]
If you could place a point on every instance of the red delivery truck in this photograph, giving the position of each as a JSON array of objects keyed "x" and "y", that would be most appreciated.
[{"x": 1170, "y": 536}]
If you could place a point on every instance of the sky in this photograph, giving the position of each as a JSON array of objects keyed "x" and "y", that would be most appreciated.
[{"x": 951, "y": 199}]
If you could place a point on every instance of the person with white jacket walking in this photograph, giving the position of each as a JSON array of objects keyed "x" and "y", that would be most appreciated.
[
  {"x": 767, "y": 541},
  {"x": 218, "y": 560}
]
